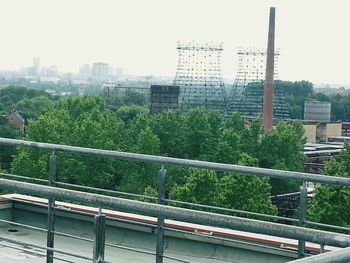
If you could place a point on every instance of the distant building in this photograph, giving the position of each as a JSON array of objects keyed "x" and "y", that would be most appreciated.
[
  {"x": 51, "y": 71},
  {"x": 164, "y": 98},
  {"x": 36, "y": 67},
  {"x": 85, "y": 72},
  {"x": 118, "y": 72},
  {"x": 100, "y": 72},
  {"x": 15, "y": 119},
  {"x": 318, "y": 131},
  {"x": 317, "y": 111}
]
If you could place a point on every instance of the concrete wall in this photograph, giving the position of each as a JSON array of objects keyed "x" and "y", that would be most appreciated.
[
  {"x": 319, "y": 132},
  {"x": 310, "y": 132},
  {"x": 334, "y": 129}
]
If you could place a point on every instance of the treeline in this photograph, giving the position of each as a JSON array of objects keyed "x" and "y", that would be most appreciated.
[
  {"x": 331, "y": 204},
  {"x": 297, "y": 92},
  {"x": 30, "y": 103},
  {"x": 127, "y": 126},
  {"x": 86, "y": 121}
]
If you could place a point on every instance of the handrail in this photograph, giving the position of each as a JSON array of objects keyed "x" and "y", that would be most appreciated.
[
  {"x": 339, "y": 256},
  {"x": 188, "y": 204},
  {"x": 180, "y": 214},
  {"x": 273, "y": 173}
]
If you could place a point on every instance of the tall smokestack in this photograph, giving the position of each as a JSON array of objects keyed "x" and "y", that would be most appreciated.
[{"x": 269, "y": 81}]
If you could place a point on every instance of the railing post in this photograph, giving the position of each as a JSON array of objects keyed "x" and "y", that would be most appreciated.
[
  {"x": 302, "y": 217},
  {"x": 51, "y": 210},
  {"x": 99, "y": 238},
  {"x": 321, "y": 248},
  {"x": 160, "y": 223}
]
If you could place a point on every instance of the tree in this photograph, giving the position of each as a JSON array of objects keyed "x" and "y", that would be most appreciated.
[
  {"x": 127, "y": 113},
  {"x": 199, "y": 137},
  {"x": 200, "y": 188},
  {"x": 236, "y": 191},
  {"x": 78, "y": 122},
  {"x": 331, "y": 204},
  {"x": 282, "y": 149},
  {"x": 139, "y": 177},
  {"x": 170, "y": 128},
  {"x": 228, "y": 148},
  {"x": 248, "y": 193},
  {"x": 6, "y": 152},
  {"x": 33, "y": 107}
]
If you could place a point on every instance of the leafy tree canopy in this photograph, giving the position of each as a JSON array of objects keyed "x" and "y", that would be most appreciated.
[{"x": 331, "y": 204}]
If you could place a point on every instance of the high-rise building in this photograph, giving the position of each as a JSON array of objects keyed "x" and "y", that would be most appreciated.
[
  {"x": 85, "y": 71},
  {"x": 36, "y": 67},
  {"x": 100, "y": 71},
  {"x": 118, "y": 72},
  {"x": 51, "y": 71}
]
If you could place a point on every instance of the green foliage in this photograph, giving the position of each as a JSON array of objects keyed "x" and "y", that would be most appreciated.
[
  {"x": 282, "y": 149},
  {"x": 6, "y": 152},
  {"x": 200, "y": 188},
  {"x": 33, "y": 107},
  {"x": 278, "y": 145},
  {"x": 75, "y": 122},
  {"x": 127, "y": 113},
  {"x": 331, "y": 204},
  {"x": 249, "y": 193},
  {"x": 170, "y": 128},
  {"x": 197, "y": 134},
  {"x": 30, "y": 103},
  {"x": 233, "y": 191},
  {"x": 11, "y": 95},
  {"x": 228, "y": 149}
]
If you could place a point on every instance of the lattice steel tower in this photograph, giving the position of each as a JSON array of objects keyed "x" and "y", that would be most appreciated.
[
  {"x": 247, "y": 94},
  {"x": 199, "y": 77}
]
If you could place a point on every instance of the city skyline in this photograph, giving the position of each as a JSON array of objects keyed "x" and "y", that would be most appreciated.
[{"x": 141, "y": 37}]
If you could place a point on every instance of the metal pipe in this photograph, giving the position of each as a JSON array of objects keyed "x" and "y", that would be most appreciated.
[
  {"x": 180, "y": 214},
  {"x": 25, "y": 244},
  {"x": 99, "y": 238},
  {"x": 160, "y": 221},
  {"x": 106, "y": 191},
  {"x": 234, "y": 211},
  {"x": 302, "y": 218},
  {"x": 184, "y": 162},
  {"x": 338, "y": 256},
  {"x": 51, "y": 210}
]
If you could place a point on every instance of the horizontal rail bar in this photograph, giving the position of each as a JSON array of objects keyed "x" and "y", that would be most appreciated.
[
  {"x": 25, "y": 177},
  {"x": 338, "y": 256},
  {"x": 180, "y": 214},
  {"x": 234, "y": 211},
  {"x": 106, "y": 191},
  {"x": 25, "y": 244},
  {"x": 183, "y": 162},
  {"x": 342, "y": 228},
  {"x": 169, "y": 201}
]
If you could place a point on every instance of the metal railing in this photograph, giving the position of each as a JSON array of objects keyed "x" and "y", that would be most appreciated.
[{"x": 162, "y": 211}]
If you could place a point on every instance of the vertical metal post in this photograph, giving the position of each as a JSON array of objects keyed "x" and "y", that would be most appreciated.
[
  {"x": 51, "y": 210},
  {"x": 160, "y": 223},
  {"x": 321, "y": 248},
  {"x": 99, "y": 238},
  {"x": 302, "y": 217}
]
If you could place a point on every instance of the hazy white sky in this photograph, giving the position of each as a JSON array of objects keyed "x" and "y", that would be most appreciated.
[{"x": 141, "y": 35}]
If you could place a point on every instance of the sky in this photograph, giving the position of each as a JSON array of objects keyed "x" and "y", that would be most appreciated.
[{"x": 140, "y": 36}]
